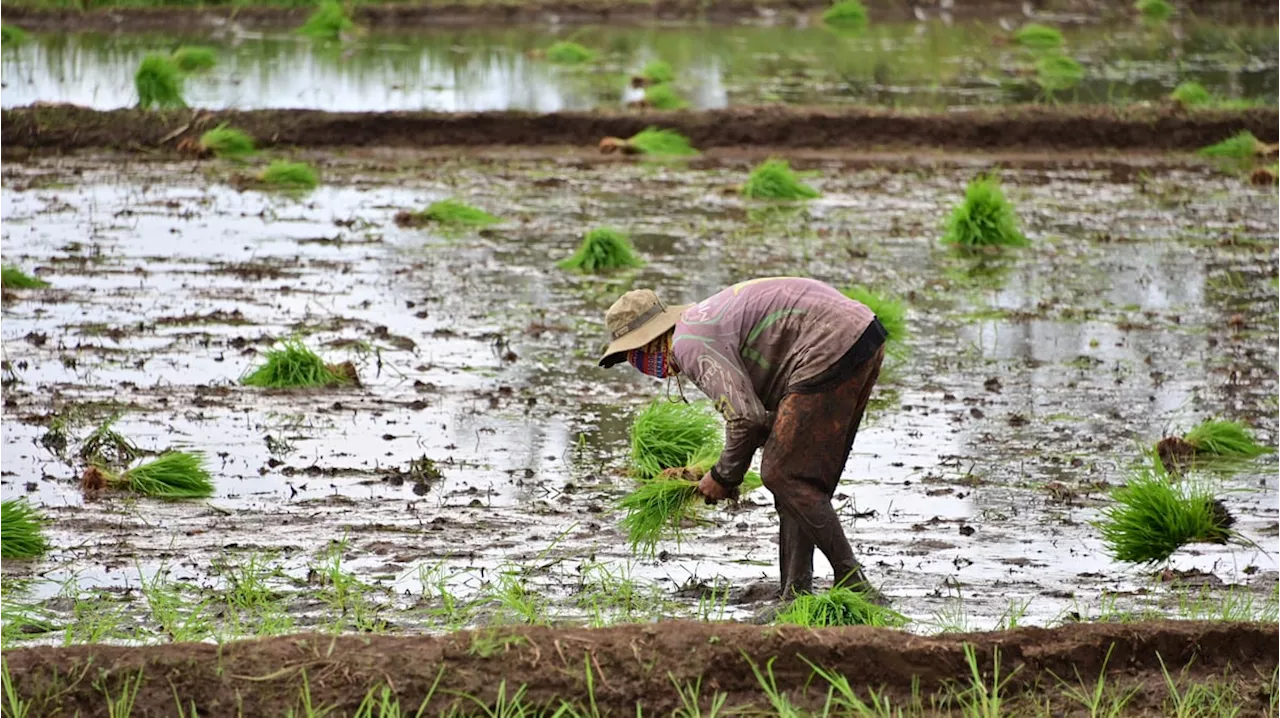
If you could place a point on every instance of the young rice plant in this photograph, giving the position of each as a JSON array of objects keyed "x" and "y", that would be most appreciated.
[
  {"x": 775, "y": 180},
  {"x": 159, "y": 83},
  {"x": 891, "y": 312},
  {"x": 662, "y": 97},
  {"x": 12, "y": 35},
  {"x": 194, "y": 58},
  {"x": 449, "y": 212},
  {"x": 1191, "y": 94},
  {"x": 569, "y": 53},
  {"x": 1058, "y": 73},
  {"x": 1242, "y": 145},
  {"x": 328, "y": 22},
  {"x": 846, "y": 15},
  {"x": 656, "y": 72},
  {"x": 984, "y": 219},
  {"x": 651, "y": 141},
  {"x": 21, "y": 530},
  {"x": 1226, "y": 439},
  {"x": 602, "y": 249},
  {"x": 172, "y": 475},
  {"x": 1040, "y": 38},
  {"x": 227, "y": 142},
  {"x": 290, "y": 175},
  {"x": 839, "y": 606},
  {"x": 1154, "y": 10},
  {"x": 293, "y": 366},
  {"x": 14, "y": 278},
  {"x": 669, "y": 435}
]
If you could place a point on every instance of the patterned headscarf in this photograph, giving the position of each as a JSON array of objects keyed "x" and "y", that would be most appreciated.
[{"x": 655, "y": 358}]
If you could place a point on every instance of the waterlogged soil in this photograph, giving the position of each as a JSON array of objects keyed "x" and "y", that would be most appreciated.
[{"x": 1145, "y": 303}]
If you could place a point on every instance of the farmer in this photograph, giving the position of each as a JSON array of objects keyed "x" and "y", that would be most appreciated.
[{"x": 790, "y": 363}]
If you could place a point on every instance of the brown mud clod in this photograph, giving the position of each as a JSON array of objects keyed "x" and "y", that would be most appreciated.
[
  {"x": 1263, "y": 177},
  {"x": 1175, "y": 453},
  {"x": 345, "y": 372},
  {"x": 609, "y": 145}
]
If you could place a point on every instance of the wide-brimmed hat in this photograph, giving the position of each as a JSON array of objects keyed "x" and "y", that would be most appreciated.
[{"x": 637, "y": 318}]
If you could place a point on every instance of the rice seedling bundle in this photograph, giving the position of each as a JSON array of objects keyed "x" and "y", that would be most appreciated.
[
  {"x": 159, "y": 83},
  {"x": 659, "y": 507},
  {"x": 663, "y": 97},
  {"x": 1153, "y": 516},
  {"x": 657, "y": 142},
  {"x": 21, "y": 530},
  {"x": 12, "y": 35},
  {"x": 1228, "y": 439},
  {"x": 1056, "y": 73},
  {"x": 172, "y": 475},
  {"x": 292, "y": 366},
  {"x": 1242, "y": 145},
  {"x": 1154, "y": 10},
  {"x": 569, "y": 53},
  {"x": 657, "y": 72},
  {"x": 290, "y": 175},
  {"x": 227, "y": 142},
  {"x": 449, "y": 212},
  {"x": 846, "y": 15},
  {"x": 984, "y": 219},
  {"x": 1191, "y": 94},
  {"x": 328, "y": 22},
  {"x": 774, "y": 179},
  {"x": 839, "y": 606},
  {"x": 14, "y": 278},
  {"x": 1041, "y": 38},
  {"x": 892, "y": 313},
  {"x": 107, "y": 446},
  {"x": 195, "y": 58},
  {"x": 669, "y": 435},
  {"x": 602, "y": 249}
]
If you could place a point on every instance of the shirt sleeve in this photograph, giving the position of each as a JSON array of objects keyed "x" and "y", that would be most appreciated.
[{"x": 723, "y": 379}]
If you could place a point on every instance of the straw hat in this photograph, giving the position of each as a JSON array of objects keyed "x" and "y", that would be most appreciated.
[{"x": 637, "y": 318}]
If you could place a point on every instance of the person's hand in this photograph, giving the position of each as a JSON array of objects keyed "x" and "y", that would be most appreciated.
[{"x": 711, "y": 489}]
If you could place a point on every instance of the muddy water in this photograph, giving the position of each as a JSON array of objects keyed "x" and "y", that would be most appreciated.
[
  {"x": 925, "y": 65},
  {"x": 1031, "y": 382}
]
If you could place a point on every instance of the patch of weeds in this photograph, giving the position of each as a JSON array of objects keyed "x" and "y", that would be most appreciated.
[
  {"x": 121, "y": 705},
  {"x": 1155, "y": 11},
  {"x": 775, "y": 180},
  {"x": 781, "y": 705},
  {"x": 569, "y": 53},
  {"x": 656, "y": 72},
  {"x": 178, "y": 619},
  {"x": 107, "y": 446},
  {"x": 290, "y": 175},
  {"x": 516, "y": 603},
  {"x": 1041, "y": 38},
  {"x": 891, "y": 312},
  {"x": 346, "y": 595},
  {"x": 1191, "y": 94},
  {"x": 492, "y": 642},
  {"x": 691, "y": 700},
  {"x": 984, "y": 219},
  {"x": 650, "y": 141},
  {"x": 1013, "y": 615},
  {"x": 1058, "y": 73},
  {"x": 14, "y": 278},
  {"x": 21, "y": 530},
  {"x": 1096, "y": 699},
  {"x": 227, "y": 142},
  {"x": 1196, "y": 699},
  {"x": 159, "y": 83},
  {"x": 981, "y": 700},
  {"x": 449, "y": 212},
  {"x": 846, "y": 15},
  {"x": 611, "y": 595},
  {"x": 194, "y": 58},
  {"x": 838, "y": 606},
  {"x": 328, "y": 22},
  {"x": 843, "y": 700},
  {"x": 12, "y": 35},
  {"x": 293, "y": 365},
  {"x": 1233, "y": 605},
  {"x": 172, "y": 475},
  {"x": 602, "y": 249},
  {"x": 663, "y": 97},
  {"x": 952, "y": 618}
]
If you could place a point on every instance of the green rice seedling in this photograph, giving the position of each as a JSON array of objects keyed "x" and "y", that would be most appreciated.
[
  {"x": 1154, "y": 10},
  {"x": 602, "y": 249},
  {"x": 1097, "y": 701},
  {"x": 655, "y": 142},
  {"x": 194, "y": 58},
  {"x": 569, "y": 53},
  {"x": 1225, "y": 439},
  {"x": 21, "y": 530},
  {"x": 663, "y": 97},
  {"x": 891, "y": 312},
  {"x": 293, "y": 365},
  {"x": 981, "y": 700},
  {"x": 1040, "y": 38},
  {"x": 107, "y": 446},
  {"x": 984, "y": 219},
  {"x": 1242, "y": 145},
  {"x": 447, "y": 212},
  {"x": 654, "y": 507},
  {"x": 290, "y": 175},
  {"x": 227, "y": 142},
  {"x": 846, "y": 15},
  {"x": 669, "y": 435},
  {"x": 838, "y": 606},
  {"x": 159, "y": 83},
  {"x": 328, "y": 22},
  {"x": 1058, "y": 73},
  {"x": 172, "y": 475},
  {"x": 1152, "y": 516},
  {"x": 12, "y": 35},
  {"x": 774, "y": 179},
  {"x": 656, "y": 72},
  {"x": 1191, "y": 94},
  {"x": 14, "y": 278}
]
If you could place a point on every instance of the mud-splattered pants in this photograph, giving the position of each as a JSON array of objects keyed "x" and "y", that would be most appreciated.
[{"x": 802, "y": 462}]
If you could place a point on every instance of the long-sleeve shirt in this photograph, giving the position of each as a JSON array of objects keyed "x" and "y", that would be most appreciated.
[{"x": 748, "y": 345}]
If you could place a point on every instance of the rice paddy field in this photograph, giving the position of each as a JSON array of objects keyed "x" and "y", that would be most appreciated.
[{"x": 434, "y": 521}]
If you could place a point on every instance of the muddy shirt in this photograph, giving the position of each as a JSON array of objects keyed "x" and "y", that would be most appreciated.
[{"x": 748, "y": 345}]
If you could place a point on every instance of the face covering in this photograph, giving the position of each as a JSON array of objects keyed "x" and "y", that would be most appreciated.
[{"x": 655, "y": 358}]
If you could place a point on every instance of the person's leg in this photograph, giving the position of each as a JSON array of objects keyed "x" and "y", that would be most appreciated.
[{"x": 795, "y": 557}]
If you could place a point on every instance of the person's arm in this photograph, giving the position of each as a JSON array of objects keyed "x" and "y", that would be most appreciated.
[{"x": 722, "y": 378}]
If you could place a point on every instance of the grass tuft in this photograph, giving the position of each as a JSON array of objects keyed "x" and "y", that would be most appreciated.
[
  {"x": 227, "y": 142},
  {"x": 290, "y": 175},
  {"x": 569, "y": 53},
  {"x": 656, "y": 142},
  {"x": 984, "y": 219},
  {"x": 195, "y": 58},
  {"x": 838, "y": 607},
  {"x": 846, "y": 15},
  {"x": 328, "y": 22},
  {"x": 12, "y": 35},
  {"x": 159, "y": 83},
  {"x": 173, "y": 475},
  {"x": 294, "y": 366},
  {"x": 669, "y": 435},
  {"x": 14, "y": 278},
  {"x": 662, "y": 97},
  {"x": 602, "y": 249},
  {"x": 1058, "y": 73},
  {"x": 21, "y": 530},
  {"x": 774, "y": 179},
  {"x": 1226, "y": 439},
  {"x": 450, "y": 212},
  {"x": 1154, "y": 10},
  {"x": 1242, "y": 145},
  {"x": 656, "y": 72},
  {"x": 1038, "y": 37},
  {"x": 1191, "y": 94},
  {"x": 891, "y": 312}
]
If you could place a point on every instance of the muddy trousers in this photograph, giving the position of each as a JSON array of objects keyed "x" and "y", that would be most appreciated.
[{"x": 802, "y": 462}]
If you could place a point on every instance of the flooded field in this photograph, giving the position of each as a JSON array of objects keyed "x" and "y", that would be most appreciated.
[
  {"x": 1146, "y": 303},
  {"x": 925, "y": 65}
]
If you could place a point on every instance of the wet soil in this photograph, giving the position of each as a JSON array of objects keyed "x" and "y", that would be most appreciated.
[{"x": 63, "y": 128}]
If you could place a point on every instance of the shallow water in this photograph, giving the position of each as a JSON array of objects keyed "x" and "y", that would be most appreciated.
[{"x": 927, "y": 65}]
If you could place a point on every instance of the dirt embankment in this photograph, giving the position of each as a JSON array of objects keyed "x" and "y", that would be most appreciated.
[
  {"x": 1027, "y": 127},
  {"x": 630, "y": 664}
]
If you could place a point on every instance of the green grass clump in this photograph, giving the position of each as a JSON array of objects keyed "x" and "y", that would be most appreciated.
[
  {"x": 194, "y": 58},
  {"x": 662, "y": 97},
  {"x": 774, "y": 179},
  {"x": 1152, "y": 516},
  {"x": 669, "y": 435},
  {"x": 458, "y": 214},
  {"x": 1057, "y": 73},
  {"x": 1240, "y": 146},
  {"x": 1154, "y": 10},
  {"x": 290, "y": 175},
  {"x": 1038, "y": 37},
  {"x": 602, "y": 249},
  {"x": 657, "y": 72},
  {"x": 838, "y": 607},
  {"x": 1191, "y": 94},
  {"x": 328, "y": 22},
  {"x": 569, "y": 53},
  {"x": 227, "y": 142},
  {"x": 653, "y": 141},
  {"x": 173, "y": 475},
  {"x": 159, "y": 83},
  {"x": 891, "y": 312},
  {"x": 1227, "y": 439},
  {"x": 846, "y": 15},
  {"x": 984, "y": 219},
  {"x": 21, "y": 530},
  {"x": 12, "y": 35},
  {"x": 293, "y": 366},
  {"x": 14, "y": 278}
]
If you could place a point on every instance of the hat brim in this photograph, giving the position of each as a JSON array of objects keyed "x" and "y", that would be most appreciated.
[{"x": 645, "y": 333}]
